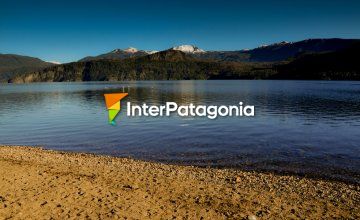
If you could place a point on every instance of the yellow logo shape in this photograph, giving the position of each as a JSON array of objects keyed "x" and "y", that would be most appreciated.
[{"x": 112, "y": 101}]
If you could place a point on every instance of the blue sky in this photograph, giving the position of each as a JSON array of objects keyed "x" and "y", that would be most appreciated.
[{"x": 69, "y": 30}]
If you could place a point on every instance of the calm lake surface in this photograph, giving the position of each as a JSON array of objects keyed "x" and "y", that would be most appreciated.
[{"x": 304, "y": 127}]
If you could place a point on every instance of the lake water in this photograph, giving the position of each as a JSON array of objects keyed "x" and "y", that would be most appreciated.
[{"x": 304, "y": 127}]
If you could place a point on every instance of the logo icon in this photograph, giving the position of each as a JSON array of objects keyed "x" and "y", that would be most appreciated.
[{"x": 112, "y": 101}]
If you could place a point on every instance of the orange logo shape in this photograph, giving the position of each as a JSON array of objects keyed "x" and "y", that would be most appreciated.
[{"x": 112, "y": 101}]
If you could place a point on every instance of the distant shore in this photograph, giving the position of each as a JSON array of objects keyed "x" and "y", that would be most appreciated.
[{"x": 37, "y": 183}]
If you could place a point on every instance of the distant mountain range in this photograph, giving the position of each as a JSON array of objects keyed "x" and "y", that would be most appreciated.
[
  {"x": 307, "y": 59},
  {"x": 119, "y": 54},
  {"x": 281, "y": 51},
  {"x": 266, "y": 53}
]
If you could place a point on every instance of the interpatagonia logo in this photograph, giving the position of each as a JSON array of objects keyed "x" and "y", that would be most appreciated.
[
  {"x": 211, "y": 111},
  {"x": 113, "y": 105}
]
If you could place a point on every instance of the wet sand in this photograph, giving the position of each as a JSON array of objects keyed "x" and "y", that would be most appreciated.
[{"x": 44, "y": 184}]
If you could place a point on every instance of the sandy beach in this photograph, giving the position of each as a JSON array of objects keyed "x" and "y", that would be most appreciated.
[{"x": 44, "y": 184}]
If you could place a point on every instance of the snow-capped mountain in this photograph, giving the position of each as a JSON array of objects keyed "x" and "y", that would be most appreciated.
[
  {"x": 151, "y": 51},
  {"x": 188, "y": 49},
  {"x": 120, "y": 54},
  {"x": 282, "y": 43},
  {"x": 131, "y": 50},
  {"x": 116, "y": 51}
]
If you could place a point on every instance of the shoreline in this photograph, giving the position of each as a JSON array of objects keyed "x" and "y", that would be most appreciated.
[
  {"x": 44, "y": 183},
  {"x": 351, "y": 179}
]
